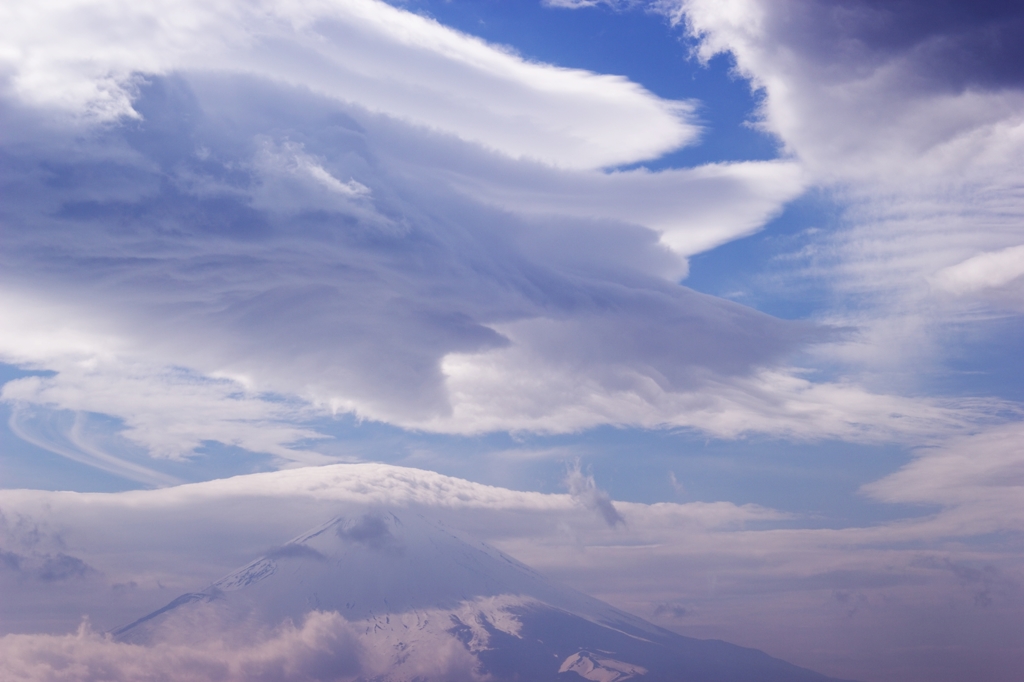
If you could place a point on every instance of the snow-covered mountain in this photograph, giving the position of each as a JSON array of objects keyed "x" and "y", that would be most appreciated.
[{"x": 386, "y": 596}]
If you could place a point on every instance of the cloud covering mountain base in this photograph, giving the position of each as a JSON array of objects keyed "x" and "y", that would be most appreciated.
[
  {"x": 419, "y": 603},
  {"x": 854, "y": 596}
]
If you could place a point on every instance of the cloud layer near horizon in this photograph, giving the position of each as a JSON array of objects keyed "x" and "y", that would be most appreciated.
[
  {"x": 717, "y": 569},
  {"x": 324, "y": 647}
]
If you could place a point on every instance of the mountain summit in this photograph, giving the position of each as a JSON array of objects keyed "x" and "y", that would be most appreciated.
[{"x": 398, "y": 598}]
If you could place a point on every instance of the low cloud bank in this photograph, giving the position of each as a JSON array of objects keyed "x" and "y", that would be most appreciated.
[
  {"x": 324, "y": 648},
  {"x": 846, "y": 600}
]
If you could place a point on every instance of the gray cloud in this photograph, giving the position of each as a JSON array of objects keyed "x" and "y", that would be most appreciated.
[
  {"x": 951, "y": 44},
  {"x": 671, "y": 610},
  {"x": 30, "y": 550},
  {"x": 852, "y": 602},
  {"x": 294, "y": 551},
  {"x": 368, "y": 529},
  {"x": 62, "y": 567},
  {"x": 584, "y": 490},
  {"x": 46, "y": 568},
  {"x": 10, "y": 560},
  {"x": 983, "y": 581}
]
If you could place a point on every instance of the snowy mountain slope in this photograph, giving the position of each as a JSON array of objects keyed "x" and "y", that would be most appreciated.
[{"x": 419, "y": 602}]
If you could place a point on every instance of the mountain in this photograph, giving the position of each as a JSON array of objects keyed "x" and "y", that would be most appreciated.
[{"x": 411, "y": 600}]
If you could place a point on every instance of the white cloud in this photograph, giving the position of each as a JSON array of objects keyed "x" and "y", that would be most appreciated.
[
  {"x": 86, "y": 56},
  {"x": 492, "y": 392},
  {"x": 978, "y": 479},
  {"x": 261, "y": 246},
  {"x": 576, "y": 4},
  {"x": 250, "y": 255},
  {"x": 911, "y": 115},
  {"x": 693, "y": 210},
  {"x": 324, "y": 647},
  {"x": 986, "y": 270},
  {"x": 68, "y": 435},
  {"x": 584, "y": 490},
  {"x": 167, "y": 411},
  {"x": 741, "y": 572},
  {"x": 171, "y": 540}
]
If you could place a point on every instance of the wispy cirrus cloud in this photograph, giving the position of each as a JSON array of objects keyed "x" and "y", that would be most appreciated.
[{"x": 911, "y": 114}]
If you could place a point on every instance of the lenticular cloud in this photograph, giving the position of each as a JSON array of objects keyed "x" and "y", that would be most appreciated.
[
  {"x": 236, "y": 220},
  {"x": 257, "y": 215},
  {"x": 87, "y": 58}
]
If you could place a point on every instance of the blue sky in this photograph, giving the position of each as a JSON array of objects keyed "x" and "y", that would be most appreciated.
[{"x": 750, "y": 260}]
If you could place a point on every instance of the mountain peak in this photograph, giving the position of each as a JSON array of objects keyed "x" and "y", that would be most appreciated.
[{"x": 406, "y": 591}]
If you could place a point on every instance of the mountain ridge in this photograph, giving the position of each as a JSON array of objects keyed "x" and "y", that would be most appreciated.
[{"x": 414, "y": 596}]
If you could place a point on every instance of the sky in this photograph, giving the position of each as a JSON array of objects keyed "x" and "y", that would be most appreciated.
[{"x": 712, "y": 309}]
